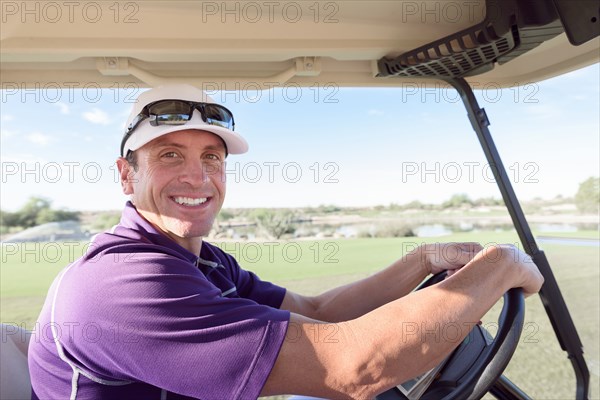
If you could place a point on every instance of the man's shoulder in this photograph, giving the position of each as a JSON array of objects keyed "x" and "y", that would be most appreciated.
[
  {"x": 119, "y": 236},
  {"x": 123, "y": 245},
  {"x": 122, "y": 265}
]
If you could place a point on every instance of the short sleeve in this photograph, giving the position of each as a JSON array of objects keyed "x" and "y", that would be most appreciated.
[
  {"x": 252, "y": 287},
  {"x": 249, "y": 285},
  {"x": 160, "y": 321}
]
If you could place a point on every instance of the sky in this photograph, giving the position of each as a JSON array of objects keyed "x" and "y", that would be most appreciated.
[{"x": 308, "y": 146}]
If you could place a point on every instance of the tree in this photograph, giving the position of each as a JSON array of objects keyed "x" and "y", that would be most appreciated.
[
  {"x": 587, "y": 198},
  {"x": 457, "y": 200},
  {"x": 276, "y": 222},
  {"x": 9, "y": 218},
  {"x": 35, "y": 212},
  {"x": 328, "y": 208},
  {"x": 225, "y": 215},
  {"x": 28, "y": 214},
  {"x": 488, "y": 201},
  {"x": 414, "y": 205}
]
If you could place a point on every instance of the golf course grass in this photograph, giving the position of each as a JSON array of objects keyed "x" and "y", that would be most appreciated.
[{"x": 309, "y": 267}]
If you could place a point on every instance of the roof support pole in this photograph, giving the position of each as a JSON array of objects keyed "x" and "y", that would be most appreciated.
[{"x": 551, "y": 296}]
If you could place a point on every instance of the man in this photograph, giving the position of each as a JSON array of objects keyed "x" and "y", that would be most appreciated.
[{"x": 153, "y": 311}]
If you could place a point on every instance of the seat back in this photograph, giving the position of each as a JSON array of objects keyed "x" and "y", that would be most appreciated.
[{"x": 14, "y": 372}]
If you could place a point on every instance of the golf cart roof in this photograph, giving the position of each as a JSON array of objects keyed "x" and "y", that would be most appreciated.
[{"x": 236, "y": 44}]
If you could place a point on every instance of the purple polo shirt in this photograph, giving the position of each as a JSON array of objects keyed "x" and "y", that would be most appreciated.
[{"x": 139, "y": 316}]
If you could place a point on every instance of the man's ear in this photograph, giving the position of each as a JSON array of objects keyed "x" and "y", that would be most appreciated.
[{"x": 126, "y": 175}]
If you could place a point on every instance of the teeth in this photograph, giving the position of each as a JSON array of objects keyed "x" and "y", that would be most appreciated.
[{"x": 188, "y": 201}]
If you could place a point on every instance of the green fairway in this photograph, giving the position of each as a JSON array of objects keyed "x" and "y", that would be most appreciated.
[{"x": 312, "y": 266}]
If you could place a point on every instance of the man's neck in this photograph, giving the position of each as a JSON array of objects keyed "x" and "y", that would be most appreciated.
[{"x": 191, "y": 244}]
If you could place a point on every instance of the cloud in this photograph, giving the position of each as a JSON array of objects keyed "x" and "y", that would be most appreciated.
[
  {"x": 97, "y": 116},
  {"x": 7, "y": 117},
  {"x": 375, "y": 112},
  {"x": 6, "y": 133},
  {"x": 38, "y": 138},
  {"x": 64, "y": 108}
]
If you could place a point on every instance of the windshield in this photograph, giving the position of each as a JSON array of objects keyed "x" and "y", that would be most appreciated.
[{"x": 337, "y": 182}]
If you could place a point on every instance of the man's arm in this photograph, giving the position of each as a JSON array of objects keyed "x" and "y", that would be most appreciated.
[
  {"x": 358, "y": 298},
  {"x": 400, "y": 340}
]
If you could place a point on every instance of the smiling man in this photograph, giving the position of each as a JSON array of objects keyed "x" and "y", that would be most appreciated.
[
  {"x": 153, "y": 311},
  {"x": 176, "y": 182}
]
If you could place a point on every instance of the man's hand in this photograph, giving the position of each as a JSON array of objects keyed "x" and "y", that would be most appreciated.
[
  {"x": 438, "y": 257},
  {"x": 520, "y": 265}
]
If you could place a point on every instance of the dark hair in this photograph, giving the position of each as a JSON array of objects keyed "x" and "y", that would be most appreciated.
[{"x": 131, "y": 158}]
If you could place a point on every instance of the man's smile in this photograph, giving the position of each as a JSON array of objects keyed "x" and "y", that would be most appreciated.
[{"x": 190, "y": 201}]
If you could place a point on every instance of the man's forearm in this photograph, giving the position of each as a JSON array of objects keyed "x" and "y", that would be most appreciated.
[
  {"x": 412, "y": 328},
  {"x": 358, "y": 298},
  {"x": 360, "y": 358}
]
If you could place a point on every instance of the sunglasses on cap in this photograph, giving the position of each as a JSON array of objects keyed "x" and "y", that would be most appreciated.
[{"x": 179, "y": 112}]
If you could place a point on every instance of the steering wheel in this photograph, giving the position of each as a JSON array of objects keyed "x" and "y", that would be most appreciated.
[{"x": 476, "y": 364}]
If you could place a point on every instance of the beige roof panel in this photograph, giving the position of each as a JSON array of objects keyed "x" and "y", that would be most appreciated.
[{"x": 238, "y": 43}]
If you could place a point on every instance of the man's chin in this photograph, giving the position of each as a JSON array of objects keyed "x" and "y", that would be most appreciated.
[{"x": 190, "y": 232}]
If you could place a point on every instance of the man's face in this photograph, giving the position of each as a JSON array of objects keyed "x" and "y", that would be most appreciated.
[{"x": 179, "y": 186}]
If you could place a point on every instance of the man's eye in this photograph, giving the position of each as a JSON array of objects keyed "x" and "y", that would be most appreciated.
[
  {"x": 214, "y": 157},
  {"x": 170, "y": 154}
]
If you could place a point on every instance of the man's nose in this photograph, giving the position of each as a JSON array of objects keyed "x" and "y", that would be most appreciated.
[{"x": 194, "y": 172}]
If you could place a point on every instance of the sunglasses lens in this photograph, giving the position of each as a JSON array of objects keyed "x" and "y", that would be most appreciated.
[
  {"x": 170, "y": 113},
  {"x": 176, "y": 112},
  {"x": 217, "y": 115}
]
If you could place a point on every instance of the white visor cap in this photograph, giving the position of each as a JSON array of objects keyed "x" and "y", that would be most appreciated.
[{"x": 145, "y": 132}]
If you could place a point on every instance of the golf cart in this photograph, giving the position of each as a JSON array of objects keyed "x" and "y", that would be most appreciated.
[{"x": 236, "y": 45}]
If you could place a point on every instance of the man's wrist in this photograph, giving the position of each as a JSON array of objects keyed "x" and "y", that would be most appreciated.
[
  {"x": 499, "y": 258},
  {"x": 423, "y": 262}
]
